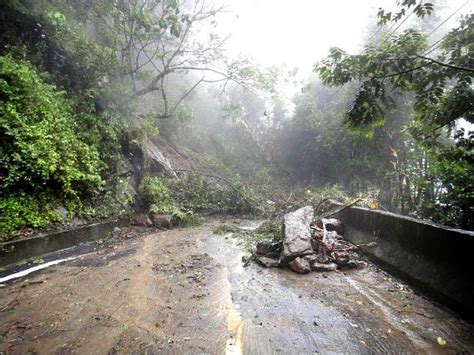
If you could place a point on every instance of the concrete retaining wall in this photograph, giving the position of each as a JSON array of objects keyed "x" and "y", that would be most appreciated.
[
  {"x": 436, "y": 259},
  {"x": 18, "y": 250}
]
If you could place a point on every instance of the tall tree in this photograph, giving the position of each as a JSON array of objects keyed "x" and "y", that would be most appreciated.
[
  {"x": 441, "y": 85},
  {"x": 439, "y": 78},
  {"x": 162, "y": 39}
]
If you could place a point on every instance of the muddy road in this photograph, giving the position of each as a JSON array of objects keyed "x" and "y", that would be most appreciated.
[{"x": 187, "y": 291}]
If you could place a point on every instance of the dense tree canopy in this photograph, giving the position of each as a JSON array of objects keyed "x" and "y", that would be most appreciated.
[
  {"x": 87, "y": 86},
  {"x": 438, "y": 79},
  {"x": 404, "y": 63}
]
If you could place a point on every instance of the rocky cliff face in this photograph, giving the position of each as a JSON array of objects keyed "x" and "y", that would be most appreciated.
[
  {"x": 155, "y": 162},
  {"x": 150, "y": 158}
]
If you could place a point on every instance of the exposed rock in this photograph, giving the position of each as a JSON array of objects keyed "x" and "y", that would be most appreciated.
[
  {"x": 348, "y": 260},
  {"x": 125, "y": 191},
  {"x": 158, "y": 162},
  {"x": 268, "y": 249},
  {"x": 322, "y": 257},
  {"x": 333, "y": 224},
  {"x": 341, "y": 257},
  {"x": 309, "y": 245},
  {"x": 267, "y": 262},
  {"x": 300, "y": 265},
  {"x": 319, "y": 263},
  {"x": 141, "y": 220},
  {"x": 327, "y": 243},
  {"x": 162, "y": 220},
  {"x": 116, "y": 231},
  {"x": 78, "y": 221},
  {"x": 334, "y": 240},
  {"x": 323, "y": 267},
  {"x": 312, "y": 258},
  {"x": 297, "y": 234},
  {"x": 317, "y": 236},
  {"x": 353, "y": 264}
]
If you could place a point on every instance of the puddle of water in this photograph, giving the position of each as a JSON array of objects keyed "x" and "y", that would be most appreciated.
[
  {"x": 226, "y": 253},
  {"x": 235, "y": 326},
  {"x": 23, "y": 273}
]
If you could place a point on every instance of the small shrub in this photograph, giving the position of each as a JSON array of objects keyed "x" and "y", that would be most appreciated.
[
  {"x": 249, "y": 240},
  {"x": 271, "y": 228},
  {"x": 180, "y": 216},
  {"x": 154, "y": 192},
  {"x": 21, "y": 210}
]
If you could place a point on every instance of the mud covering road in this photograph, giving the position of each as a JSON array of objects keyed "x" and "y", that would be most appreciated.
[{"x": 187, "y": 291}]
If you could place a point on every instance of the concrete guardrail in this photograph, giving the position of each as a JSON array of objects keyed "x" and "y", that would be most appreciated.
[
  {"x": 21, "y": 249},
  {"x": 437, "y": 260}
]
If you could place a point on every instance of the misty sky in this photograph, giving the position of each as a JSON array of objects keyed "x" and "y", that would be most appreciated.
[{"x": 299, "y": 32}]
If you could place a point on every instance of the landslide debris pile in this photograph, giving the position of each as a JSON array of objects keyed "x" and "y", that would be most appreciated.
[{"x": 309, "y": 244}]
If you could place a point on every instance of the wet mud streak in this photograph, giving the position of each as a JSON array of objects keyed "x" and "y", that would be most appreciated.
[{"x": 235, "y": 327}]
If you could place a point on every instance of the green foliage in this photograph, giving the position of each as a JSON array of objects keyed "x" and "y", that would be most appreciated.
[
  {"x": 39, "y": 145},
  {"x": 155, "y": 193},
  {"x": 452, "y": 173},
  {"x": 271, "y": 229},
  {"x": 20, "y": 210},
  {"x": 180, "y": 215},
  {"x": 62, "y": 113},
  {"x": 322, "y": 152},
  {"x": 85, "y": 69},
  {"x": 268, "y": 231},
  {"x": 249, "y": 240},
  {"x": 431, "y": 170},
  {"x": 420, "y": 9},
  {"x": 154, "y": 190},
  {"x": 56, "y": 18},
  {"x": 52, "y": 146},
  {"x": 54, "y": 39},
  {"x": 198, "y": 193},
  {"x": 441, "y": 86},
  {"x": 184, "y": 197}
]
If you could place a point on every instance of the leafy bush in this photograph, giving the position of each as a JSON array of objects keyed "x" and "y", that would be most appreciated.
[
  {"x": 43, "y": 160},
  {"x": 17, "y": 211},
  {"x": 154, "y": 192},
  {"x": 39, "y": 147},
  {"x": 183, "y": 197}
]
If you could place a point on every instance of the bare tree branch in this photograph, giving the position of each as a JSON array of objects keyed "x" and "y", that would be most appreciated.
[{"x": 452, "y": 66}]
